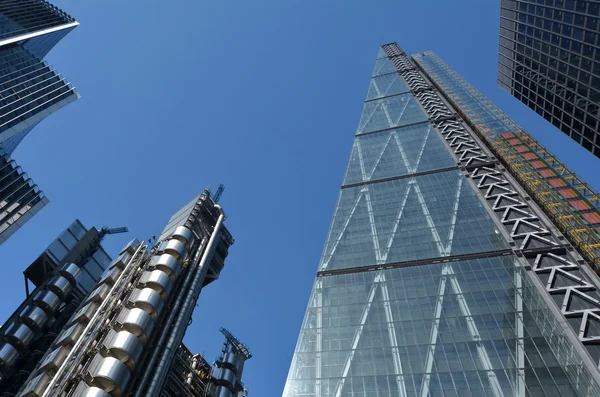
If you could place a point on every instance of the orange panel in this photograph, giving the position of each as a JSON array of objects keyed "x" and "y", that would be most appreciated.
[
  {"x": 579, "y": 205},
  {"x": 592, "y": 217},
  {"x": 514, "y": 141},
  {"x": 529, "y": 156},
  {"x": 538, "y": 164},
  {"x": 507, "y": 135},
  {"x": 557, "y": 182},
  {"x": 521, "y": 148},
  {"x": 567, "y": 193},
  {"x": 547, "y": 173}
]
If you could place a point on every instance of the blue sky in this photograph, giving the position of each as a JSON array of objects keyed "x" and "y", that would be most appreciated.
[{"x": 263, "y": 96}]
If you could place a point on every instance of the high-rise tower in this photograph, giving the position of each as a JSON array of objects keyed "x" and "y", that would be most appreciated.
[
  {"x": 123, "y": 338},
  {"x": 449, "y": 268},
  {"x": 550, "y": 60},
  {"x": 30, "y": 90}
]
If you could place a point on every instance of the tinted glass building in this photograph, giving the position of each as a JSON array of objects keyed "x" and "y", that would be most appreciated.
[
  {"x": 441, "y": 274},
  {"x": 30, "y": 90},
  {"x": 550, "y": 60}
]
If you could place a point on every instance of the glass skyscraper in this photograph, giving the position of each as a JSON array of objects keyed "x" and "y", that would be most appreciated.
[
  {"x": 30, "y": 90},
  {"x": 442, "y": 275},
  {"x": 550, "y": 60}
]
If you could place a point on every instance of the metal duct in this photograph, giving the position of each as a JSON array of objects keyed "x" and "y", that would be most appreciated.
[
  {"x": 60, "y": 286},
  {"x": 111, "y": 276},
  {"x": 121, "y": 261},
  {"x": 148, "y": 300},
  {"x": 174, "y": 247},
  {"x": 168, "y": 264},
  {"x": 36, "y": 386},
  {"x": 158, "y": 281},
  {"x": 8, "y": 355},
  {"x": 222, "y": 391},
  {"x": 54, "y": 360},
  {"x": 85, "y": 314},
  {"x": 98, "y": 294},
  {"x": 136, "y": 321},
  {"x": 69, "y": 336},
  {"x": 83, "y": 390},
  {"x": 70, "y": 271},
  {"x": 47, "y": 301},
  {"x": 124, "y": 346},
  {"x": 34, "y": 317},
  {"x": 224, "y": 377},
  {"x": 232, "y": 361},
  {"x": 108, "y": 374},
  {"x": 19, "y": 335},
  {"x": 184, "y": 235}
]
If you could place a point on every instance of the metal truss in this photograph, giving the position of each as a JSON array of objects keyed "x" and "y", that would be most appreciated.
[{"x": 533, "y": 239}]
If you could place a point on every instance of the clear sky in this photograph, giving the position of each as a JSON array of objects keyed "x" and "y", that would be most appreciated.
[{"x": 263, "y": 96}]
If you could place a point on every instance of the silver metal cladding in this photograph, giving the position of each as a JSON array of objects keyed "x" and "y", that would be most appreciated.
[
  {"x": 136, "y": 321},
  {"x": 36, "y": 387},
  {"x": 34, "y": 317},
  {"x": 54, "y": 360},
  {"x": 60, "y": 286},
  {"x": 83, "y": 390},
  {"x": 225, "y": 377},
  {"x": 47, "y": 301},
  {"x": 176, "y": 248},
  {"x": 124, "y": 346},
  {"x": 184, "y": 235},
  {"x": 19, "y": 335},
  {"x": 69, "y": 336},
  {"x": 111, "y": 276},
  {"x": 85, "y": 314},
  {"x": 168, "y": 264},
  {"x": 121, "y": 261},
  {"x": 222, "y": 391},
  {"x": 108, "y": 374},
  {"x": 148, "y": 300},
  {"x": 98, "y": 294},
  {"x": 232, "y": 361},
  {"x": 158, "y": 281},
  {"x": 8, "y": 355},
  {"x": 71, "y": 272}
]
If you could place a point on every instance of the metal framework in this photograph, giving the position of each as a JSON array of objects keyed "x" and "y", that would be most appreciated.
[{"x": 532, "y": 239}]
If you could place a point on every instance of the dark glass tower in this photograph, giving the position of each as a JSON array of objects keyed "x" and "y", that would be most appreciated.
[
  {"x": 30, "y": 90},
  {"x": 441, "y": 275},
  {"x": 550, "y": 60}
]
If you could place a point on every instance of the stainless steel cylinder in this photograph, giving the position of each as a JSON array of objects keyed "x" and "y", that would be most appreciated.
[
  {"x": 158, "y": 281},
  {"x": 184, "y": 235},
  {"x": 225, "y": 377},
  {"x": 34, "y": 317},
  {"x": 176, "y": 248},
  {"x": 148, "y": 300},
  {"x": 222, "y": 391},
  {"x": 8, "y": 355},
  {"x": 83, "y": 390},
  {"x": 70, "y": 271},
  {"x": 47, "y": 301},
  {"x": 36, "y": 386},
  {"x": 231, "y": 361},
  {"x": 54, "y": 360},
  {"x": 60, "y": 286},
  {"x": 108, "y": 374},
  {"x": 124, "y": 346},
  {"x": 19, "y": 335},
  {"x": 136, "y": 321},
  {"x": 168, "y": 264}
]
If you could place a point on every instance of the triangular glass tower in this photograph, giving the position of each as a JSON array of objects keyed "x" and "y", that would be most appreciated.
[{"x": 421, "y": 290}]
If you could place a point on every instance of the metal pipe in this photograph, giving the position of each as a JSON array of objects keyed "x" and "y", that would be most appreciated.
[
  {"x": 181, "y": 321},
  {"x": 83, "y": 338},
  {"x": 172, "y": 311}
]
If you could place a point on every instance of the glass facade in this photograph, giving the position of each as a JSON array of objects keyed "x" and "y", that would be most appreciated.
[
  {"x": 550, "y": 60},
  {"x": 30, "y": 90},
  {"x": 418, "y": 291}
]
